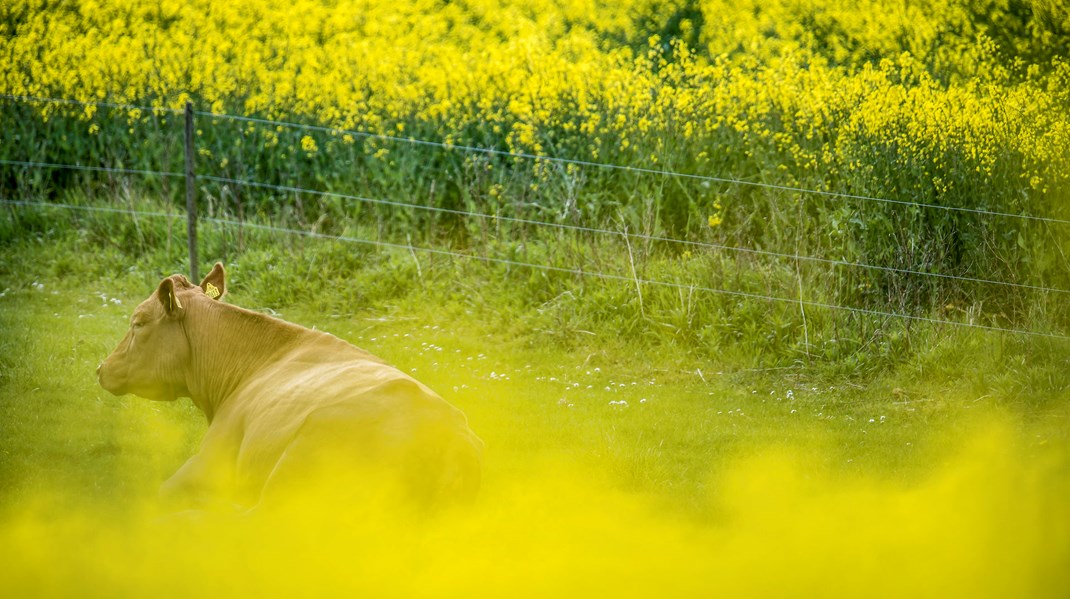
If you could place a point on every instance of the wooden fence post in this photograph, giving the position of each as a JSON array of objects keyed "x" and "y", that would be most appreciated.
[{"x": 191, "y": 195}]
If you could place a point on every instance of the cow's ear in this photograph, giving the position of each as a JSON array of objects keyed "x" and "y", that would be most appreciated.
[
  {"x": 166, "y": 294},
  {"x": 215, "y": 285}
]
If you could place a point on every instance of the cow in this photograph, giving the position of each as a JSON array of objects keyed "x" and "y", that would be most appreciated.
[{"x": 287, "y": 407}]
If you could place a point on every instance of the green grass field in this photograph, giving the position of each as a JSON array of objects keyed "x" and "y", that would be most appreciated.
[{"x": 612, "y": 467}]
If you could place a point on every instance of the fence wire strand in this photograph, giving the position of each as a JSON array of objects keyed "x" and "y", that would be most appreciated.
[
  {"x": 625, "y": 168},
  {"x": 627, "y": 279},
  {"x": 86, "y": 167},
  {"x": 101, "y": 209},
  {"x": 640, "y": 236}
]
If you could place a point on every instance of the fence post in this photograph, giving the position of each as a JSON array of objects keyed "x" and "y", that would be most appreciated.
[{"x": 191, "y": 195}]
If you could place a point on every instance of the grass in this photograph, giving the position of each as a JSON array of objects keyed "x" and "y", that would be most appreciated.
[{"x": 614, "y": 464}]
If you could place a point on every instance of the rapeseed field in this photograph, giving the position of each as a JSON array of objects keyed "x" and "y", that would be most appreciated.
[{"x": 952, "y": 90}]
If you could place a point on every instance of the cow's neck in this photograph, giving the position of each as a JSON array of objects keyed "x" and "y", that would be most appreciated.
[{"x": 228, "y": 345}]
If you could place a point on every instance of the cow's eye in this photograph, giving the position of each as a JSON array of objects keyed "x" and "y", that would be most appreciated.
[{"x": 138, "y": 325}]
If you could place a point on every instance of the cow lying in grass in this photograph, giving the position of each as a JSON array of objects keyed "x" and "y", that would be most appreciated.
[{"x": 288, "y": 408}]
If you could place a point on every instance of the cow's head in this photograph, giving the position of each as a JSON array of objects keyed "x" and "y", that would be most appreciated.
[{"x": 152, "y": 359}]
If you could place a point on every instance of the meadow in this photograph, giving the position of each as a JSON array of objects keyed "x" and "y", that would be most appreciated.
[
  {"x": 610, "y": 468},
  {"x": 745, "y": 298}
]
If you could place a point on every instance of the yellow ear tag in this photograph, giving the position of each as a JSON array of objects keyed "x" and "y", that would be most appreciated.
[
  {"x": 211, "y": 290},
  {"x": 177, "y": 303}
]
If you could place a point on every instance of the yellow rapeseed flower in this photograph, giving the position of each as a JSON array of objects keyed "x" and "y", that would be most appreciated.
[{"x": 840, "y": 96}]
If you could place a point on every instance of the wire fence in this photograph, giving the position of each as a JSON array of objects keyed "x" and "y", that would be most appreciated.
[
  {"x": 538, "y": 223},
  {"x": 536, "y": 266},
  {"x": 630, "y": 235},
  {"x": 633, "y": 279}
]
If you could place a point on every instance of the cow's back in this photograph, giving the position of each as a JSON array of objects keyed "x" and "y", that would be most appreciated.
[{"x": 332, "y": 418}]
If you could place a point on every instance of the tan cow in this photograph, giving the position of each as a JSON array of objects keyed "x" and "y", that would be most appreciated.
[{"x": 287, "y": 406}]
